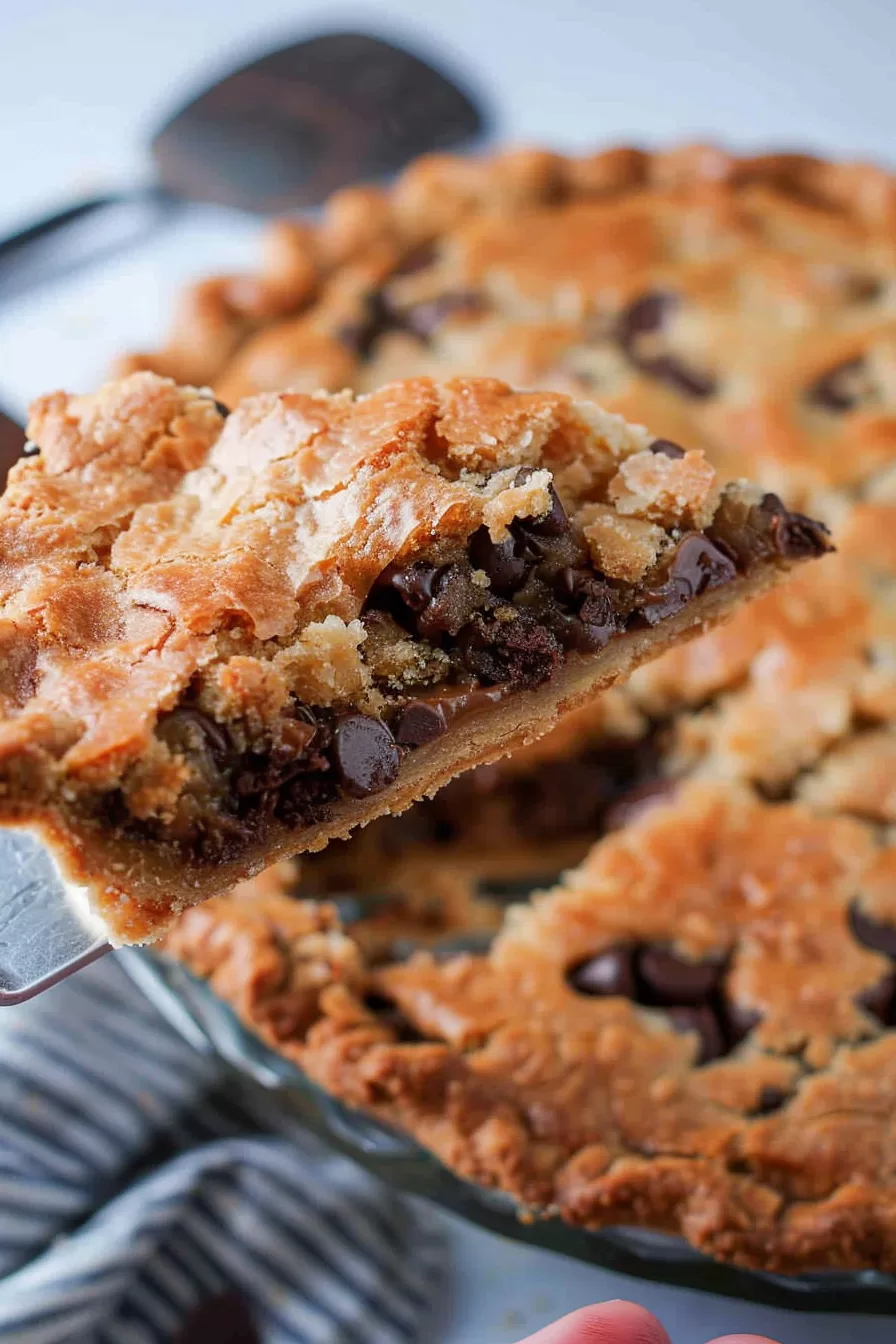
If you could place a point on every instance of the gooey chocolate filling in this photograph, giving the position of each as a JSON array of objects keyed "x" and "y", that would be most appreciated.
[{"x": 505, "y": 614}]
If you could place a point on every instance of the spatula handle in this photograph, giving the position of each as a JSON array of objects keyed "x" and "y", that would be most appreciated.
[{"x": 78, "y": 234}]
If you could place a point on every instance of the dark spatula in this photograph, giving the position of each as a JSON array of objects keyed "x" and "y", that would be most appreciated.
[{"x": 278, "y": 134}]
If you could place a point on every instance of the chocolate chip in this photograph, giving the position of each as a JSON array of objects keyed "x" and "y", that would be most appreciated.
[
  {"x": 770, "y": 1099},
  {"x": 365, "y": 754},
  {"x": 504, "y": 562},
  {"x": 430, "y": 600},
  {"x": 454, "y": 601},
  {"x": 647, "y": 314},
  {"x": 414, "y": 584},
  {"x": 669, "y": 979},
  {"x": 840, "y": 388},
  {"x": 692, "y": 382},
  {"x": 633, "y": 804},
  {"x": 516, "y": 650},
  {"x": 424, "y": 319},
  {"x": 877, "y": 999},
  {"x": 667, "y": 448},
  {"x": 872, "y": 933},
  {"x": 551, "y": 524},
  {"x": 704, "y": 1021},
  {"x": 740, "y": 1021},
  {"x": 387, "y": 1012},
  {"x": 767, "y": 529},
  {"x": 381, "y": 314},
  {"x": 793, "y": 534},
  {"x": 31, "y": 449},
  {"x": 598, "y": 614},
  {"x": 377, "y": 317},
  {"x": 609, "y": 973},
  {"x": 592, "y": 600},
  {"x": 222, "y": 410},
  {"x": 418, "y": 723},
  {"x": 646, "y": 317},
  {"x": 223, "y": 1319},
  {"x": 696, "y": 566}
]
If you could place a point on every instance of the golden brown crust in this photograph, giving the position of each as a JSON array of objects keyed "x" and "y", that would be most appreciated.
[{"x": 773, "y": 1154}]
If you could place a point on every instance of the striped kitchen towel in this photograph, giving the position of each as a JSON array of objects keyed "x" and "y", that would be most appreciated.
[{"x": 143, "y": 1200}]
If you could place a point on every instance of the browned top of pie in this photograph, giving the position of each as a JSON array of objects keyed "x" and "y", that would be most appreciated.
[
  {"x": 745, "y": 305},
  {"x": 690, "y": 1032}
]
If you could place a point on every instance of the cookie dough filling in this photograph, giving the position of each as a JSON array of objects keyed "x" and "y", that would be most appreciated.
[{"x": 231, "y": 637}]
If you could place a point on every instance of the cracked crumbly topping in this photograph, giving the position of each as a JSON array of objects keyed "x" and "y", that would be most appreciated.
[{"x": 152, "y": 545}]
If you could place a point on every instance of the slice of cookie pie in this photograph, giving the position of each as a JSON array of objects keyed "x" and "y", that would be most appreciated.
[{"x": 227, "y": 638}]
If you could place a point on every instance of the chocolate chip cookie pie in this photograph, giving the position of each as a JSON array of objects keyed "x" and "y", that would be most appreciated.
[
  {"x": 228, "y": 638},
  {"x": 694, "y": 1031}
]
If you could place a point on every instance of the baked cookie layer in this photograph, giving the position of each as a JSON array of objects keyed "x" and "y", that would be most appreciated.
[{"x": 693, "y": 1032}]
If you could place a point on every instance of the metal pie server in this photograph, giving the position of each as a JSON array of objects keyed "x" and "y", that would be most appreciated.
[{"x": 42, "y": 937}]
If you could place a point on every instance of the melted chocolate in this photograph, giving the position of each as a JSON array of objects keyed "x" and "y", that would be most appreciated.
[
  {"x": 840, "y": 389},
  {"x": 421, "y": 721},
  {"x": 610, "y": 973},
  {"x": 696, "y": 566}
]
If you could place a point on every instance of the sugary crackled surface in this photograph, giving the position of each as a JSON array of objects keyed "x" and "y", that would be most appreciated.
[
  {"x": 565, "y": 1066},
  {"x": 149, "y": 536},
  {"x": 161, "y": 558}
]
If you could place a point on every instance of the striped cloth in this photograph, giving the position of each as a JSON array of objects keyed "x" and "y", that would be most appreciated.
[{"x": 137, "y": 1187}]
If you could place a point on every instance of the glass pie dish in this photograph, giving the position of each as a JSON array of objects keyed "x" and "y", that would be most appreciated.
[{"x": 204, "y": 1019}]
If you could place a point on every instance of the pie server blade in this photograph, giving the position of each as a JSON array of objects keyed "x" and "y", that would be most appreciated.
[{"x": 42, "y": 937}]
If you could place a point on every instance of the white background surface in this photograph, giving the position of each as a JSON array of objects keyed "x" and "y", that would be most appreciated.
[{"x": 82, "y": 86}]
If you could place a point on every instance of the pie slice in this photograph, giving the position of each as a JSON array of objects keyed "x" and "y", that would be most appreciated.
[{"x": 227, "y": 638}]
